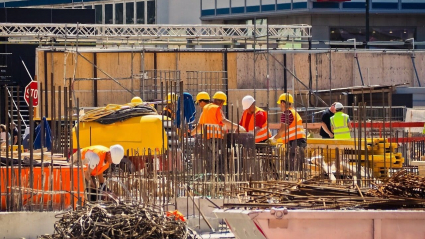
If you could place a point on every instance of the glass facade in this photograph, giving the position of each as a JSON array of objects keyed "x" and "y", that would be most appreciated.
[
  {"x": 99, "y": 14},
  {"x": 140, "y": 19},
  {"x": 129, "y": 13},
  {"x": 109, "y": 14},
  {"x": 119, "y": 13},
  {"x": 376, "y": 34},
  {"x": 151, "y": 12}
]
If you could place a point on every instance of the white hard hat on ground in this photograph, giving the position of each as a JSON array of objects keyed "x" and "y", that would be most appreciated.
[
  {"x": 117, "y": 153},
  {"x": 339, "y": 106},
  {"x": 247, "y": 101}
]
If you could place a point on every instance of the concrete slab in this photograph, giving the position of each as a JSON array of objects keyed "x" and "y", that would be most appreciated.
[{"x": 26, "y": 225}]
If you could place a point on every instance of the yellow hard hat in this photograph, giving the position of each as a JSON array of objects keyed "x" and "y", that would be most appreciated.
[
  {"x": 286, "y": 97},
  {"x": 171, "y": 97},
  {"x": 136, "y": 100},
  {"x": 219, "y": 95},
  {"x": 202, "y": 96}
]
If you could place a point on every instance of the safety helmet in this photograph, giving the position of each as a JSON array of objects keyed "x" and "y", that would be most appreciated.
[
  {"x": 202, "y": 96},
  {"x": 117, "y": 153},
  {"x": 285, "y": 97},
  {"x": 219, "y": 95},
  {"x": 136, "y": 100},
  {"x": 171, "y": 97},
  {"x": 247, "y": 101},
  {"x": 339, "y": 106}
]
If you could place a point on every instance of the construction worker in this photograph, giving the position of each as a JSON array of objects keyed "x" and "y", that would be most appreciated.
[
  {"x": 340, "y": 123},
  {"x": 247, "y": 121},
  {"x": 98, "y": 158},
  {"x": 202, "y": 99},
  {"x": 136, "y": 101},
  {"x": 291, "y": 131},
  {"x": 169, "y": 108},
  {"x": 214, "y": 122},
  {"x": 212, "y": 117},
  {"x": 325, "y": 129}
]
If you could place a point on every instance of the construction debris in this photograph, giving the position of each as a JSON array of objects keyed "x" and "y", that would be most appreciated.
[
  {"x": 122, "y": 220},
  {"x": 401, "y": 184}
]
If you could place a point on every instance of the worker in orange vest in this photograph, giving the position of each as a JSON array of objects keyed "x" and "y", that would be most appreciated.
[
  {"x": 213, "y": 124},
  {"x": 213, "y": 119},
  {"x": 291, "y": 131},
  {"x": 98, "y": 158},
  {"x": 247, "y": 121}
]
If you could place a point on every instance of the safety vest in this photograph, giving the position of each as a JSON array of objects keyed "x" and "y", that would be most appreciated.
[
  {"x": 296, "y": 129},
  {"x": 214, "y": 128},
  {"x": 339, "y": 123},
  {"x": 101, "y": 152},
  {"x": 261, "y": 133},
  {"x": 423, "y": 131},
  {"x": 173, "y": 115}
]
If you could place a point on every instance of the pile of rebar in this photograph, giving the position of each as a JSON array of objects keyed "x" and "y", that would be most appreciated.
[
  {"x": 123, "y": 220},
  {"x": 401, "y": 184},
  {"x": 317, "y": 196}
]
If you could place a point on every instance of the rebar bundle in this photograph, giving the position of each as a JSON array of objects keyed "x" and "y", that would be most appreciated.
[
  {"x": 401, "y": 184},
  {"x": 320, "y": 196},
  {"x": 123, "y": 220}
]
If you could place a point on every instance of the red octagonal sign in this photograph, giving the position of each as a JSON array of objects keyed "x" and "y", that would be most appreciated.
[{"x": 31, "y": 90}]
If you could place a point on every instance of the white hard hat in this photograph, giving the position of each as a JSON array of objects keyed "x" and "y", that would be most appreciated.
[
  {"x": 339, "y": 106},
  {"x": 247, "y": 101},
  {"x": 117, "y": 153}
]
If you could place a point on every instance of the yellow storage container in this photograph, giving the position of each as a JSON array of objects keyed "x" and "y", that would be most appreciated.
[{"x": 140, "y": 133}]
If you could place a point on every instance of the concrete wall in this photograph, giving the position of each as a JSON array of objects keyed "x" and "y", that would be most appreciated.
[{"x": 178, "y": 11}]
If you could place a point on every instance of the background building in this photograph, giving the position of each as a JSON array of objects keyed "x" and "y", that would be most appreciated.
[
  {"x": 390, "y": 20},
  {"x": 126, "y": 11}
]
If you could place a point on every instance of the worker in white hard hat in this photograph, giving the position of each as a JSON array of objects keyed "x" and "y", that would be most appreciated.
[
  {"x": 247, "y": 120},
  {"x": 169, "y": 108},
  {"x": 98, "y": 158},
  {"x": 291, "y": 131},
  {"x": 340, "y": 123}
]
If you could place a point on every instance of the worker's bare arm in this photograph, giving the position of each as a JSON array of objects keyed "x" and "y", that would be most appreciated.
[{"x": 325, "y": 128}]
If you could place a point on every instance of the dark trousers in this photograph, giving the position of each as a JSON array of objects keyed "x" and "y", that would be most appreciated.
[{"x": 296, "y": 154}]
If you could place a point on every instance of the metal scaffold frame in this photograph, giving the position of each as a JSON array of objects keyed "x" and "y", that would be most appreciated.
[{"x": 70, "y": 32}]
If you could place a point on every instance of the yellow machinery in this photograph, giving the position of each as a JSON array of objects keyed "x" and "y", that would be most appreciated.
[
  {"x": 142, "y": 137},
  {"x": 381, "y": 155}
]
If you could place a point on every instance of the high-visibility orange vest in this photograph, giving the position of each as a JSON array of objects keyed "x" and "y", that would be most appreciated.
[
  {"x": 173, "y": 115},
  {"x": 296, "y": 129},
  {"x": 209, "y": 119},
  {"x": 101, "y": 152},
  {"x": 261, "y": 133}
]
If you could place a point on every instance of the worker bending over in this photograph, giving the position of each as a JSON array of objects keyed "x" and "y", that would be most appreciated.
[
  {"x": 169, "y": 109},
  {"x": 247, "y": 121},
  {"x": 340, "y": 123},
  {"x": 98, "y": 158},
  {"x": 291, "y": 131}
]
